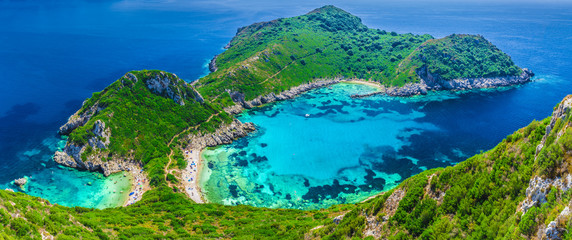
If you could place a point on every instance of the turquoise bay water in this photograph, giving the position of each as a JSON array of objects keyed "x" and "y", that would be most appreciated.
[
  {"x": 67, "y": 186},
  {"x": 344, "y": 151},
  {"x": 349, "y": 149}
]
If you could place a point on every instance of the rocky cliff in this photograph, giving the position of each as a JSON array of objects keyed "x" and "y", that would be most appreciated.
[
  {"x": 73, "y": 154},
  {"x": 552, "y": 178},
  {"x": 225, "y": 134}
]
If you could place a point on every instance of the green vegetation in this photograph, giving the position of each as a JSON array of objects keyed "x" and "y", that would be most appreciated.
[
  {"x": 476, "y": 199},
  {"x": 143, "y": 122},
  {"x": 161, "y": 215},
  {"x": 268, "y": 57},
  {"x": 460, "y": 56},
  {"x": 329, "y": 42}
]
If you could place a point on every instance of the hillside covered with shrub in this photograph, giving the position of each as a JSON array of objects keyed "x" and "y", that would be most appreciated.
[{"x": 271, "y": 57}]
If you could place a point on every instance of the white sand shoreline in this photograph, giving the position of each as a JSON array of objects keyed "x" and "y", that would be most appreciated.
[
  {"x": 139, "y": 185},
  {"x": 191, "y": 175},
  {"x": 369, "y": 83}
]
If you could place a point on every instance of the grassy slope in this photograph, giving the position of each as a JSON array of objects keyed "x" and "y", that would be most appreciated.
[
  {"x": 161, "y": 215},
  {"x": 329, "y": 42}
]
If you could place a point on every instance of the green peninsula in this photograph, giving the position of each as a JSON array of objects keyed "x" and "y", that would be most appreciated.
[
  {"x": 271, "y": 57},
  {"x": 147, "y": 119}
]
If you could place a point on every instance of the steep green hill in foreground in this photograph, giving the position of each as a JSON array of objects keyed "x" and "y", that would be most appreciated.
[
  {"x": 521, "y": 189},
  {"x": 329, "y": 42}
]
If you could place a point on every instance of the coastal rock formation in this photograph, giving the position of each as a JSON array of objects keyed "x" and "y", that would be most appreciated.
[
  {"x": 79, "y": 118},
  {"x": 241, "y": 104},
  {"x": 409, "y": 89},
  {"x": 168, "y": 85},
  {"x": 20, "y": 182},
  {"x": 90, "y": 151},
  {"x": 212, "y": 65},
  {"x": 433, "y": 82},
  {"x": 538, "y": 188},
  {"x": 559, "y": 113},
  {"x": 223, "y": 135},
  {"x": 71, "y": 156}
]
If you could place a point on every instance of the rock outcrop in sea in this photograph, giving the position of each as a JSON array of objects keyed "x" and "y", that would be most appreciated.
[{"x": 20, "y": 182}]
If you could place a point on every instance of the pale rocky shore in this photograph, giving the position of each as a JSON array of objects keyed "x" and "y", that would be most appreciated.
[
  {"x": 431, "y": 82},
  {"x": 241, "y": 104}
]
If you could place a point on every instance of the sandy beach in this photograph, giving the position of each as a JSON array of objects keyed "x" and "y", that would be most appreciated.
[
  {"x": 139, "y": 185},
  {"x": 190, "y": 175},
  {"x": 372, "y": 84}
]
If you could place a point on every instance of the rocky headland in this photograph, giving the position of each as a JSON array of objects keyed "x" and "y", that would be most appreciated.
[
  {"x": 161, "y": 83},
  {"x": 433, "y": 82}
]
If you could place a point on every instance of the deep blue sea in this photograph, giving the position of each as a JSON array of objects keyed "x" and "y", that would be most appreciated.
[{"x": 54, "y": 54}]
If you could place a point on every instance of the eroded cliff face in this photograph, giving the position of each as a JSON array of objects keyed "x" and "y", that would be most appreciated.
[
  {"x": 73, "y": 154},
  {"x": 223, "y": 135},
  {"x": 79, "y": 118},
  {"x": 170, "y": 86}
]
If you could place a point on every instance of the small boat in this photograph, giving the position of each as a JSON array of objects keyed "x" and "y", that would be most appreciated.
[{"x": 307, "y": 115}]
